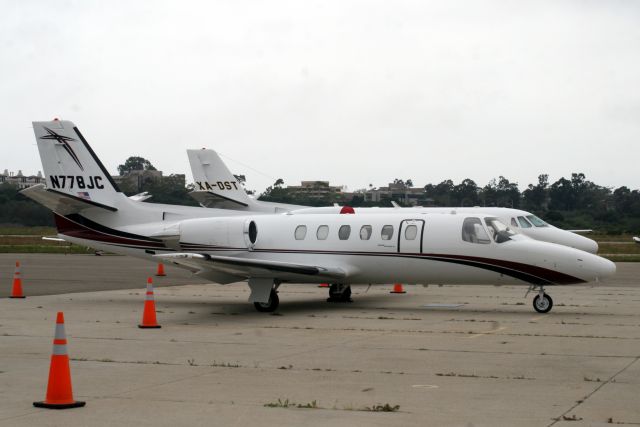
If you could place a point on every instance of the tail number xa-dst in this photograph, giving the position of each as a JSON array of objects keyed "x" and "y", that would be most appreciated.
[
  {"x": 221, "y": 185},
  {"x": 76, "y": 181}
]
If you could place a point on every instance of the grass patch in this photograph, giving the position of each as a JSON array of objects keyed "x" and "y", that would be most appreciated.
[
  {"x": 31, "y": 231},
  {"x": 45, "y": 249}
]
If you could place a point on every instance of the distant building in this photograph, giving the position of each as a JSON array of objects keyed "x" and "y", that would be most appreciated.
[
  {"x": 21, "y": 181},
  {"x": 135, "y": 180},
  {"x": 400, "y": 192},
  {"x": 314, "y": 189}
]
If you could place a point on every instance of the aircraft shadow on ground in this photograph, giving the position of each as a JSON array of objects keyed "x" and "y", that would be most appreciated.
[{"x": 188, "y": 309}]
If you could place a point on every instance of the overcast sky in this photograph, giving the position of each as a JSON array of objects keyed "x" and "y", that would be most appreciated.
[{"x": 357, "y": 93}]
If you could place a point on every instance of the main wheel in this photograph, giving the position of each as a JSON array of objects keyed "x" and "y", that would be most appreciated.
[
  {"x": 271, "y": 305},
  {"x": 336, "y": 296},
  {"x": 542, "y": 305}
]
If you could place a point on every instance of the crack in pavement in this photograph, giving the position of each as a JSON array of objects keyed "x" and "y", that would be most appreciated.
[{"x": 581, "y": 401}]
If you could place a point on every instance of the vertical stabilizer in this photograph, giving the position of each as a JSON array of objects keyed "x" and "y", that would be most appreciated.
[
  {"x": 71, "y": 167},
  {"x": 212, "y": 178}
]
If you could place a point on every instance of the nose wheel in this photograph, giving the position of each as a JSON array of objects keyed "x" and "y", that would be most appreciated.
[{"x": 542, "y": 303}]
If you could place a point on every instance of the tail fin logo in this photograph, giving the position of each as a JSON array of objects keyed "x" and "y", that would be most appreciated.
[{"x": 64, "y": 140}]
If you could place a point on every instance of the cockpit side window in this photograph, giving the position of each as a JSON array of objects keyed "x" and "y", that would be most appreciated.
[
  {"x": 523, "y": 222},
  {"x": 498, "y": 230},
  {"x": 537, "y": 221},
  {"x": 474, "y": 232},
  {"x": 514, "y": 223}
]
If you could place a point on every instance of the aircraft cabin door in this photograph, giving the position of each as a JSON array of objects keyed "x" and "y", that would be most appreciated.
[{"x": 410, "y": 236}]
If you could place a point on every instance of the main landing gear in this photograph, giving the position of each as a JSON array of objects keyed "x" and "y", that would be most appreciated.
[
  {"x": 272, "y": 304},
  {"x": 542, "y": 303},
  {"x": 339, "y": 292}
]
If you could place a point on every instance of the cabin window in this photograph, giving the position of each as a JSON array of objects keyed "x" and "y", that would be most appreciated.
[
  {"x": 387, "y": 232},
  {"x": 323, "y": 232},
  {"x": 365, "y": 232},
  {"x": 474, "y": 232},
  {"x": 514, "y": 223},
  {"x": 344, "y": 232},
  {"x": 523, "y": 222},
  {"x": 301, "y": 232},
  {"x": 411, "y": 232},
  {"x": 537, "y": 221}
]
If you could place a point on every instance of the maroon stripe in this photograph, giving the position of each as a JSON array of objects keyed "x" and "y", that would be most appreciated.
[{"x": 79, "y": 231}]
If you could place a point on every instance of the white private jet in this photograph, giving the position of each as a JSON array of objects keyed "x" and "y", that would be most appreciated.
[
  {"x": 217, "y": 187},
  {"x": 227, "y": 246}
]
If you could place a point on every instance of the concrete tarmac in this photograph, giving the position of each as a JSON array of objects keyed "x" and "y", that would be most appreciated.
[
  {"x": 484, "y": 358},
  {"x": 49, "y": 274}
]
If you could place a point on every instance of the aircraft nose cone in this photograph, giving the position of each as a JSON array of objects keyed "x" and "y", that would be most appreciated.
[
  {"x": 599, "y": 268},
  {"x": 605, "y": 269},
  {"x": 584, "y": 244}
]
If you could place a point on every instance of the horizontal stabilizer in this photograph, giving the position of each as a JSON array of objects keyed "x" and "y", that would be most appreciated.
[
  {"x": 212, "y": 200},
  {"x": 247, "y": 267},
  {"x": 62, "y": 203}
]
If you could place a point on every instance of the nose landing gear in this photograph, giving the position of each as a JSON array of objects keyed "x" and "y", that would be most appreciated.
[{"x": 542, "y": 303}]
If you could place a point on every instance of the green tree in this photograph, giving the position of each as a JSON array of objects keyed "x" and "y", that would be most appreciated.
[
  {"x": 135, "y": 163},
  {"x": 536, "y": 197},
  {"x": 466, "y": 193}
]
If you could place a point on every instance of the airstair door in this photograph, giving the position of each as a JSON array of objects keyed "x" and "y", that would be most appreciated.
[{"x": 410, "y": 236}]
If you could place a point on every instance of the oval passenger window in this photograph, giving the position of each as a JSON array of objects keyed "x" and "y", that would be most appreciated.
[
  {"x": 301, "y": 232},
  {"x": 344, "y": 232}
]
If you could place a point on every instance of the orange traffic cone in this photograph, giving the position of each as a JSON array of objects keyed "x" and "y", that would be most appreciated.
[
  {"x": 398, "y": 289},
  {"x": 16, "y": 290},
  {"x": 160, "y": 271},
  {"x": 323, "y": 285},
  {"x": 59, "y": 392},
  {"x": 149, "y": 314}
]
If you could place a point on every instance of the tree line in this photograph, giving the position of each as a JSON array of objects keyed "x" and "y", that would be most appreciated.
[{"x": 573, "y": 202}]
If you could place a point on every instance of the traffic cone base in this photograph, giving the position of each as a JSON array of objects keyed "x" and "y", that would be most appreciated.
[
  {"x": 149, "y": 326},
  {"x": 77, "y": 404},
  {"x": 398, "y": 289},
  {"x": 17, "y": 296},
  {"x": 323, "y": 285}
]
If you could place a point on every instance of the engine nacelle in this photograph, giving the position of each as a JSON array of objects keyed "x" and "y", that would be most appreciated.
[{"x": 225, "y": 233}]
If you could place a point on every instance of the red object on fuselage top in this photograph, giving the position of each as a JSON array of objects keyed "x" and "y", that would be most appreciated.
[{"x": 347, "y": 210}]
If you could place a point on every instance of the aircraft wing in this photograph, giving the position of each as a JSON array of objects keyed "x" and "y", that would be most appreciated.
[
  {"x": 246, "y": 267},
  {"x": 60, "y": 202}
]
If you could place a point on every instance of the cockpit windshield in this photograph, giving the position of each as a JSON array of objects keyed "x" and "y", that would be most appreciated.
[
  {"x": 498, "y": 230},
  {"x": 537, "y": 221}
]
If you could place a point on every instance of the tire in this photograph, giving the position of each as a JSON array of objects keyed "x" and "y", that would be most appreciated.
[
  {"x": 268, "y": 307},
  {"x": 335, "y": 296},
  {"x": 543, "y": 305}
]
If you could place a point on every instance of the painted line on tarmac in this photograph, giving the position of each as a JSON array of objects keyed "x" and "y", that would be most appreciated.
[{"x": 502, "y": 328}]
